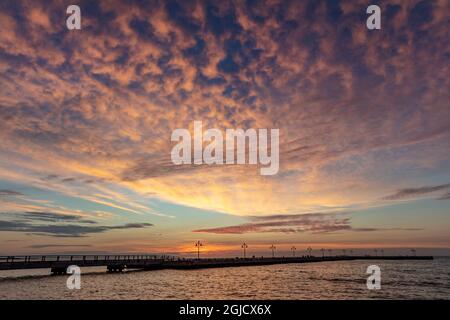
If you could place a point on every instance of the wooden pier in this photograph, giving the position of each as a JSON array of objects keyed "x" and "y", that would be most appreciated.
[{"x": 117, "y": 263}]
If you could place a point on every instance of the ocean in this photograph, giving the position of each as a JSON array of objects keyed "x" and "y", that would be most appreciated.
[{"x": 421, "y": 279}]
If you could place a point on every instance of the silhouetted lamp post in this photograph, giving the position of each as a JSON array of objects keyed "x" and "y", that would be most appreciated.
[
  {"x": 376, "y": 252},
  {"x": 198, "y": 244},
  {"x": 273, "y": 250},
  {"x": 244, "y": 246},
  {"x": 323, "y": 252},
  {"x": 293, "y": 250}
]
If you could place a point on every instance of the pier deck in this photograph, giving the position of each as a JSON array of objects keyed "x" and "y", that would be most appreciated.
[{"x": 117, "y": 263}]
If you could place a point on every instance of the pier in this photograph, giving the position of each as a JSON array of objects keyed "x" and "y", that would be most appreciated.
[{"x": 117, "y": 263}]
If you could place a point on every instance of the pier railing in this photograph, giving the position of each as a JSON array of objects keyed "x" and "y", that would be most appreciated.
[{"x": 69, "y": 258}]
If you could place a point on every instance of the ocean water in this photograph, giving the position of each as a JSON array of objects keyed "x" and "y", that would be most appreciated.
[{"x": 324, "y": 280}]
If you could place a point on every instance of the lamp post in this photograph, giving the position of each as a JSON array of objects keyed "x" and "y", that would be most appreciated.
[
  {"x": 293, "y": 250},
  {"x": 244, "y": 246},
  {"x": 198, "y": 244},
  {"x": 273, "y": 250},
  {"x": 323, "y": 253},
  {"x": 376, "y": 252}
]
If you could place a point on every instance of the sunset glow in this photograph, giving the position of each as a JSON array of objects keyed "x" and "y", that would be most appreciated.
[{"x": 86, "y": 118}]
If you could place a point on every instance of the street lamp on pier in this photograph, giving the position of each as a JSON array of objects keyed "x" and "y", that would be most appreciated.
[
  {"x": 273, "y": 250},
  {"x": 244, "y": 246},
  {"x": 293, "y": 250},
  {"x": 198, "y": 244}
]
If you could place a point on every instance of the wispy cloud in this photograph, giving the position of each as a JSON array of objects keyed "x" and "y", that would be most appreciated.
[
  {"x": 5, "y": 192},
  {"x": 45, "y": 246},
  {"x": 310, "y": 223},
  {"x": 64, "y": 230},
  {"x": 445, "y": 196},
  {"x": 415, "y": 192},
  {"x": 58, "y": 224},
  {"x": 52, "y": 217}
]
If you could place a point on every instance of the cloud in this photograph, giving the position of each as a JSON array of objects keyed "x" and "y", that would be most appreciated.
[
  {"x": 414, "y": 192},
  {"x": 445, "y": 196},
  {"x": 65, "y": 230},
  {"x": 44, "y": 246},
  {"x": 58, "y": 224},
  {"x": 316, "y": 223},
  {"x": 358, "y": 111},
  {"x": 53, "y": 217},
  {"x": 5, "y": 192},
  {"x": 300, "y": 217}
]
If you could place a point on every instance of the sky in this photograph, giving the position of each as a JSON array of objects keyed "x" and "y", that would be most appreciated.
[{"x": 86, "y": 118}]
